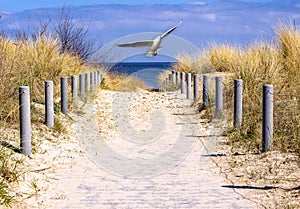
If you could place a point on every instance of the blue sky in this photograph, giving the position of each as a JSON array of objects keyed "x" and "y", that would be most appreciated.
[
  {"x": 204, "y": 21},
  {"x": 19, "y": 5}
]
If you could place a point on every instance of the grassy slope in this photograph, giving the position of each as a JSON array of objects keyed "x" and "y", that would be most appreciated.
[{"x": 275, "y": 63}]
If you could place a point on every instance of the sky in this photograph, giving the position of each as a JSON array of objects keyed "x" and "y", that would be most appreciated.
[
  {"x": 19, "y": 5},
  {"x": 204, "y": 21}
]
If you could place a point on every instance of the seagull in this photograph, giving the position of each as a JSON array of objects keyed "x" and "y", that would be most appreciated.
[{"x": 153, "y": 44}]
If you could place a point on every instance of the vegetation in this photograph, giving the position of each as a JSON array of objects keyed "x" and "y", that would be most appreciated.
[
  {"x": 25, "y": 62},
  {"x": 199, "y": 63},
  {"x": 73, "y": 36},
  {"x": 119, "y": 82},
  {"x": 30, "y": 62},
  {"x": 8, "y": 175},
  {"x": 261, "y": 63}
]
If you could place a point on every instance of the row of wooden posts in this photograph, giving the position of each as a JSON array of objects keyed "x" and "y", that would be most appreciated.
[
  {"x": 90, "y": 81},
  {"x": 87, "y": 82},
  {"x": 183, "y": 81}
]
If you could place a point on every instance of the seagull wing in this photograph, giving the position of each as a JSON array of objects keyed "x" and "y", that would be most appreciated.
[
  {"x": 170, "y": 30},
  {"x": 136, "y": 44}
]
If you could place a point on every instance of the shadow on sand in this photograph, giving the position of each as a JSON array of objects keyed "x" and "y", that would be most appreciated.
[{"x": 9, "y": 146}]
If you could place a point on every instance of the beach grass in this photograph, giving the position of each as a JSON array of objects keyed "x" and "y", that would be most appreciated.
[
  {"x": 120, "y": 82},
  {"x": 195, "y": 63},
  {"x": 275, "y": 62},
  {"x": 30, "y": 62},
  {"x": 26, "y": 62}
]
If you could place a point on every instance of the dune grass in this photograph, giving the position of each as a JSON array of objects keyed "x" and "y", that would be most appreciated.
[
  {"x": 196, "y": 63},
  {"x": 276, "y": 63},
  {"x": 119, "y": 82},
  {"x": 30, "y": 63},
  {"x": 27, "y": 62},
  {"x": 8, "y": 175}
]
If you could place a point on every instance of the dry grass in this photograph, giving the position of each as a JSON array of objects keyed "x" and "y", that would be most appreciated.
[
  {"x": 272, "y": 177},
  {"x": 26, "y": 63},
  {"x": 119, "y": 82},
  {"x": 8, "y": 175},
  {"x": 30, "y": 63},
  {"x": 275, "y": 63},
  {"x": 272, "y": 63},
  {"x": 224, "y": 57},
  {"x": 162, "y": 78},
  {"x": 196, "y": 63}
]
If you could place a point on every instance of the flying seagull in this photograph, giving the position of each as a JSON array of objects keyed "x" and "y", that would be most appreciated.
[{"x": 154, "y": 44}]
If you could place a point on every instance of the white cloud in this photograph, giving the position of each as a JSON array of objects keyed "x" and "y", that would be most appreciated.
[
  {"x": 201, "y": 21},
  {"x": 209, "y": 16},
  {"x": 198, "y": 3}
]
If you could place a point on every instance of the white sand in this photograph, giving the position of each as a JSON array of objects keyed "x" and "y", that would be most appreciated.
[{"x": 130, "y": 150}]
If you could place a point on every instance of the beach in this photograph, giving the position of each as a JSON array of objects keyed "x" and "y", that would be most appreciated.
[
  {"x": 148, "y": 150},
  {"x": 171, "y": 168}
]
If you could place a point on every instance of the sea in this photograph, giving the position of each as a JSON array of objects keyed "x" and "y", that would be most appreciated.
[{"x": 146, "y": 71}]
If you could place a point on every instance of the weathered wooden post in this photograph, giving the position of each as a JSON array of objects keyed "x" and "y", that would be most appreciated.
[
  {"x": 183, "y": 85},
  {"x": 49, "y": 104},
  {"x": 88, "y": 82},
  {"x": 196, "y": 86},
  {"x": 173, "y": 79},
  {"x": 178, "y": 79},
  {"x": 189, "y": 86},
  {"x": 81, "y": 84},
  {"x": 167, "y": 83},
  {"x": 74, "y": 87},
  {"x": 219, "y": 97},
  {"x": 92, "y": 80},
  {"x": 170, "y": 82},
  {"x": 95, "y": 79},
  {"x": 25, "y": 124},
  {"x": 238, "y": 103},
  {"x": 267, "y": 118},
  {"x": 205, "y": 97},
  {"x": 64, "y": 95}
]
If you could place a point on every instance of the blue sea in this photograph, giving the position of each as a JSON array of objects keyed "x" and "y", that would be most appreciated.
[{"x": 146, "y": 71}]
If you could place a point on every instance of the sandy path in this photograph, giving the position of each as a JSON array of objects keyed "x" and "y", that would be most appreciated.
[{"x": 138, "y": 150}]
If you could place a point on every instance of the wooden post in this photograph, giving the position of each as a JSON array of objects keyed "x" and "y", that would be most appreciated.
[
  {"x": 205, "y": 96},
  {"x": 219, "y": 97},
  {"x": 25, "y": 124},
  {"x": 267, "y": 118},
  {"x": 49, "y": 104},
  {"x": 81, "y": 84},
  {"x": 74, "y": 86},
  {"x": 64, "y": 95},
  {"x": 88, "y": 82},
  {"x": 196, "y": 85},
  {"x": 189, "y": 86},
  {"x": 238, "y": 103},
  {"x": 183, "y": 85}
]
